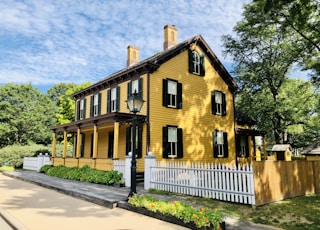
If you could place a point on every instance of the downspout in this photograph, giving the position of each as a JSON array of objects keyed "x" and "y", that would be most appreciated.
[{"x": 148, "y": 115}]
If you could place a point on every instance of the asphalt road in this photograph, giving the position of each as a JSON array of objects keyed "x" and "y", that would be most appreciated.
[{"x": 36, "y": 208}]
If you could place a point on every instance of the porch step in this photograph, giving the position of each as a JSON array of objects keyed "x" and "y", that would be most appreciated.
[{"x": 139, "y": 177}]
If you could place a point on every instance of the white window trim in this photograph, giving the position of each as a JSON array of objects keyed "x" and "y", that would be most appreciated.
[
  {"x": 196, "y": 62},
  {"x": 220, "y": 143},
  {"x": 82, "y": 109},
  {"x": 113, "y": 100},
  {"x": 95, "y": 105},
  {"x": 173, "y": 141},
  {"x": 172, "y": 92},
  {"x": 218, "y": 102}
]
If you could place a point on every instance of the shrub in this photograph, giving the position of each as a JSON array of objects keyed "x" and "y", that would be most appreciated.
[
  {"x": 45, "y": 168},
  {"x": 86, "y": 174},
  {"x": 13, "y": 155}
]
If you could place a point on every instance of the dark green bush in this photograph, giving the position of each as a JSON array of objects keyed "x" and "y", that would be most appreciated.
[
  {"x": 13, "y": 155},
  {"x": 86, "y": 174},
  {"x": 45, "y": 168}
]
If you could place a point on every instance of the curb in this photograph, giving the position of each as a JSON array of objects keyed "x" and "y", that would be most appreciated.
[{"x": 13, "y": 222}]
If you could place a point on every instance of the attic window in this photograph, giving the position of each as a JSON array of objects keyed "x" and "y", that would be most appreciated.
[{"x": 196, "y": 63}]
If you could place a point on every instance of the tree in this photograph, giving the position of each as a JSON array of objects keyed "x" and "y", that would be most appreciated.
[
  {"x": 264, "y": 57},
  {"x": 25, "y": 115},
  {"x": 61, "y": 94},
  {"x": 303, "y": 18}
]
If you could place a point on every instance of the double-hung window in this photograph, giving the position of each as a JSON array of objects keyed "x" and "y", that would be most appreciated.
[
  {"x": 172, "y": 142},
  {"x": 81, "y": 108},
  {"x": 220, "y": 144},
  {"x": 242, "y": 146},
  {"x": 172, "y": 94},
  {"x": 113, "y": 99},
  {"x": 95, "y": 105},
  {"x": 135, "y": 87},
  {"x": 196, "y": 63},
  {"x": 129, "y": 141},
  {"x": 218, "y": 103}
]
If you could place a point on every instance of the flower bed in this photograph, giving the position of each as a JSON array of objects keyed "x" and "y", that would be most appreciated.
[{"x": 176, "y": 212}]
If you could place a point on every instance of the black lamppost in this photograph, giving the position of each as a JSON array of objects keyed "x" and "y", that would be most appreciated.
[{"x": 134, "y": 104}]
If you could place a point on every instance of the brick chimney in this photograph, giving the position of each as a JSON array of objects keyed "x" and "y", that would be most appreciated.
[
  {"x": 170, "y": 36},
  {"x": 133, "y": 55}
]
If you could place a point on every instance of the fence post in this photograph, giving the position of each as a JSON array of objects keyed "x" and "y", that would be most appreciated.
[
  {"x": 127, "y": 171},
  {"x": 149, "y": 161}
]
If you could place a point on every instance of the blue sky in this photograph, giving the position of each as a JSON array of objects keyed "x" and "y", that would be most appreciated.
[{"x": 46, "y": 42}]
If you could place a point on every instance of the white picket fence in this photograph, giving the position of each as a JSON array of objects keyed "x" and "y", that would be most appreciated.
[
  {"x": 35, "y": 163},
  {"x": 119, "y": 165},
  {"x": 222, "y": 182}
]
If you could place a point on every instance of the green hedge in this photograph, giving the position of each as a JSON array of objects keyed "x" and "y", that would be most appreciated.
[
  {"x": 13, "y": 155},
  {"x": 85, "y": 174}
]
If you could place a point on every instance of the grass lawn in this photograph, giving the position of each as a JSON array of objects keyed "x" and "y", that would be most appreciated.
[{"x": 296, "y": 213}]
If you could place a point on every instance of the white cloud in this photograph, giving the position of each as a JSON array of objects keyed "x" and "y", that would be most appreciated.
[{"x": 49, "y": 41}]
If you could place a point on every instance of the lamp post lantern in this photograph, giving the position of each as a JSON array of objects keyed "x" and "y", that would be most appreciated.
[{"x": 134, "y": 104}]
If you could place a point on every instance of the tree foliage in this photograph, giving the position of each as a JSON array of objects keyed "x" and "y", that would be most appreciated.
[
  {"x": 61, "y": 94},
  {"x": 26, "y": 115},
  {"x": 265, "y": 54},
  {"x": 302, "y": 17}
]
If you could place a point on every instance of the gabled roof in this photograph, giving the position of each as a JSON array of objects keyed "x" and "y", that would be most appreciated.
[
  {"x": 281, "y": 147},
  {"x": 313, "y": 149},
  {"x": 151, "y": 64}
]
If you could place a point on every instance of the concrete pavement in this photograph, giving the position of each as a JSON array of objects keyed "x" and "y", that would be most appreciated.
[{"x": 57, "y": 210}]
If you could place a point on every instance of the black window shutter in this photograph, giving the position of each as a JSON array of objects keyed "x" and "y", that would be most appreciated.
[
  {"x": 213, "y": 102},
  {"x": 165, "y": 143},
  {"x": 108, "y": 101},
  {"x": 215, "y": 145},
  {"x": 91, "y": 105},
  {"x": 225, "y": 145},
  {"x": 140, "y": 88},
  {"x": 139, "y": 150},
  {"x": 118, "y": 99},
  {"x": 179, "y": 96},
  {"x": 78, "y": 110},
  {"x": 180, "y": 143},
  {"x": 91, "y": 149},
  {"x": 99, "y": 104},
  {"x": 164, "y": 92},
  {"x": 191, "y": 65},
  {"x": 84, "y": 108},
  {"x": 224, "y": 106},
  {"x": 82, "y": 145},
  {"x": 128, "y": 140},
  {"x": 202, "y": 66}
]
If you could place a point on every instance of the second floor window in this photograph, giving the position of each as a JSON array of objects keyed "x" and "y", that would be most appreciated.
[
  {"x": 135, "y": 86},
  {"x": 95, "y": 105},
  {"x": 81, "y": 109},
  {"x": 172, "y": 94},
  {"x": 218, "y": 103},
  {"x": 113, "y": 99}
]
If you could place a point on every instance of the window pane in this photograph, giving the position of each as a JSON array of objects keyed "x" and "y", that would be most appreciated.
[
  {"x": 135, "y": 86},
  {"x": 218, "y": 98},
  {"x": 172, "y": 87},
  {"x": 113, "y": 94},
  {"x": 172, "y": 134},
  {"x": 96, "y": 99},
  {"x": 242, "y": 141},
  {"x": 220, "y": 138},
  {"x": 81, "y": 104}
]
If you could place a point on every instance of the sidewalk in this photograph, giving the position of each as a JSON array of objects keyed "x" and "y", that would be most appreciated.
[{"x": 108, "y": 196}]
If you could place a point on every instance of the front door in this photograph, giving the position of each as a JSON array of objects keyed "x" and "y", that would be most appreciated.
[{"x": 110, "y": 145}]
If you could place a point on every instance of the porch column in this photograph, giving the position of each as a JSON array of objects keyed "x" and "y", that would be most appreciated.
[
  {"x": 65, "y": 143},
  {"x": 95, "y": 141},
  {"x": 78, "y": 144},
  {"x": 116, "y": 140},
  {"x": 54, "y": 144}
]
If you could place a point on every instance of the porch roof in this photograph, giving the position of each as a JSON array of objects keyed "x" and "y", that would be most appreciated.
[
  {"x": 109, "y": 118},
  {"x": 250, "y": 132}
]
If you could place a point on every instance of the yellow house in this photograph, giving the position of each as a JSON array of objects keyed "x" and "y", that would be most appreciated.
[{"x": 188, "y": 114}]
